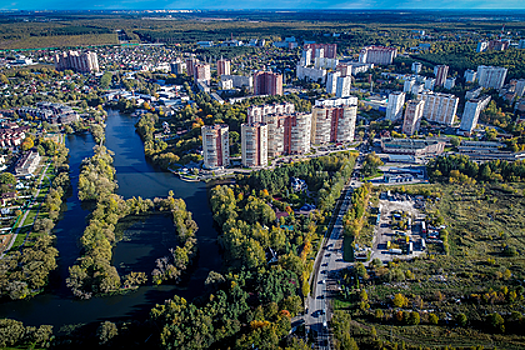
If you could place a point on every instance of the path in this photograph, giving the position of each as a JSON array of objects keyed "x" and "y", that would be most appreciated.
[{"x": 26, "y": 213}]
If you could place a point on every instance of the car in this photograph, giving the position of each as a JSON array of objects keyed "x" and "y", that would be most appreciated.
[{"x": 322, "y": 282}]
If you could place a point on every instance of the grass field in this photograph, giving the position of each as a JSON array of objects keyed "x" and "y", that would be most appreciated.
[
  {"x": 59, "y": 41},
  {"x": 482, "y": 275}
]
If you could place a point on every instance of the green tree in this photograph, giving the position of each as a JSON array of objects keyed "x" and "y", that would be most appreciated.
[{"x": 106, "y": 331}]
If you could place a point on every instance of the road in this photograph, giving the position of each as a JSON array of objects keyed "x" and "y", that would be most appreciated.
[
  {"x": 328, "y": 264},
  {"x": 24, "y": 217}
]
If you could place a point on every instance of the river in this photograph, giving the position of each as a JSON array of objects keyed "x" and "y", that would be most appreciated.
[{"x": 144, "y": 241}]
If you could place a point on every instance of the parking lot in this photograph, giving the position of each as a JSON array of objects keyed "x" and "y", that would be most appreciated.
[{"x": 398, "y": 232}]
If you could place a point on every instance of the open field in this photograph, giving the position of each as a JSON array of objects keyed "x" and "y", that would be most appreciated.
[{"x": 480, "y": 277}]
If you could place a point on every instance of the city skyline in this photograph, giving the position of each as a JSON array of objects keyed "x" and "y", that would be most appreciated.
[{"x": 263, "y": 5}]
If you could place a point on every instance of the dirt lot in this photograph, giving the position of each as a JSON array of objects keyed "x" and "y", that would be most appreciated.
[{"x": 384, "y": 230}]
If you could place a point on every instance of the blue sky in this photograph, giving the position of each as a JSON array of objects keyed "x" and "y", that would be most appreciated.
[{"x": 257, "y": 4}]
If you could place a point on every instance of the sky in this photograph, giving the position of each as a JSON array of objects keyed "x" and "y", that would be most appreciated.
[{"x": 257, "y": 4}]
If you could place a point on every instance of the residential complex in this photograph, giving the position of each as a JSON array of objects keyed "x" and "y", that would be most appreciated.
[
  {"x": 491, "y": 77},
  {"x": 268, "y": 83},
  {"x": 440, "y": 72},
  {"x": 413, "y": 115},
  {"x": 254, "y": 144},
  {"x": 223, "y": 67},
  {"x": 216, "y": 146},
  {"x": 471, "y": 113},
  {"x": 190, "y": 66},
  {"x": 520, "y": 87},
  {"x": 378, "y": 55},
  {"x": 394, "y": 110},
  {"x": 328, "y": 50},
  {"x": 338, "y": 85},
  {"x": 82, "y": 62},
  {"x": 333, "y": 124},
  {"x": 439, "y": 108},
  {"x": 256, "y": 114},
  {"x": 202, "y": 73}
]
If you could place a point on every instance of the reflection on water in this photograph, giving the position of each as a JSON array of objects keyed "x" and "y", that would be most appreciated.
[{"x": 146, "y": 240}]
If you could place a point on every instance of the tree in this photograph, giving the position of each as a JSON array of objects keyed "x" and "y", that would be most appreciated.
[
  {"x": 7, "y": 179},
  {"x": 400, "y": 300},
  {"x": 496, "y": 322},
  {"x": 461, "y": 319},
  {"x": 106, "y": 331},
  {"x": 455, "y": 141},
  {"x": 413, "y": 318},
  {"x": 433, "y": 319}
]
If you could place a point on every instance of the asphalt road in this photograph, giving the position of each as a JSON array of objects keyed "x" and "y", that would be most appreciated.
[{"x": 329, "y": 262}]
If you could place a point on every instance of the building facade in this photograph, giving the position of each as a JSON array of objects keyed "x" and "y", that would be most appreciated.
[
  {"x": 394, "y": 110},
  {"x": 202, "y": 73},
  {"x": 329, "y": 50},
  {"x": 378, "y": 55},
  {"x": 268, "y": 83},
  {"x": 413, "y": 115},
  {"x": 441, "y": 73},
  {"x": 439, "y": 108},
  {"x": 333, "y": 124},
  {"x": 491, "y": 77},
  {"x": 254, "y": 144},
  {"x": 223, "y": 67},
  {"x": 216, "y": 146},
  {"x": 471, "y": 113},
  {"x": 256, "y": 114},
  {"x": 81, "y": 62}
]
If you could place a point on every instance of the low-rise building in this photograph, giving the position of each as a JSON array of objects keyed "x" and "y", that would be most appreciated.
[
  {"x": 27, "y": 163},
  {"x": 412, "y": 147}
]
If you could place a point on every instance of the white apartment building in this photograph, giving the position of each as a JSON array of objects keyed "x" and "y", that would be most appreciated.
[
  {"x": 394, "y": 110},
  {"x": 439, "y": 108},
  {"x": 377, "y": 55},
  {"x": 471, "y": 113},
  {"x": 491, "y": 77}
]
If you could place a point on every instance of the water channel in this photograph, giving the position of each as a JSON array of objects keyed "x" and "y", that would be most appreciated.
[{"x": 144, "y": 241}]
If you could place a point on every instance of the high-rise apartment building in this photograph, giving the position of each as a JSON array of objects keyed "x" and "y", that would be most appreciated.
[
  {"x": 216, "y": 146},
  {"x": 416, "y": 67},
  {"x": 331, "y": 82},
  {"x": 413, "y": 115},
  {"x": 439, "y": 108},
  {"x": 333, "y": 124},
  {"x": 190, "y": 66},
  {"x": 202, "y": 73},
  {"x": 343, "y": 86},
  {"x": 440, "y": 72},
  {"x": 521, "y": 44},
  {"x": 329, "y": 50},
  {"x": 338, "y": 85},
  {"x": 223, "y": 67},
  {"x": 470, "y": 117},
  {"x": 254, "y": 144},
  {"x": 491, "y": 77},
  {"x": 81, "y": 62},
  {"x": 268, "y": 83},
  {"x": 394, "y": 109},
  {"x": 482, "y": 46},
  {"x": 256, "y": 114},
  {"x": 337, "y": 101},
  {"x": 177, "y": 67},
  {"x": 378, "y": 55},
  {"x": 498, "y": 45}
]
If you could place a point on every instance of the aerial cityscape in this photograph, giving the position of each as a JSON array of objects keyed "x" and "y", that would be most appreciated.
[{"x": 268, "y": 175}]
